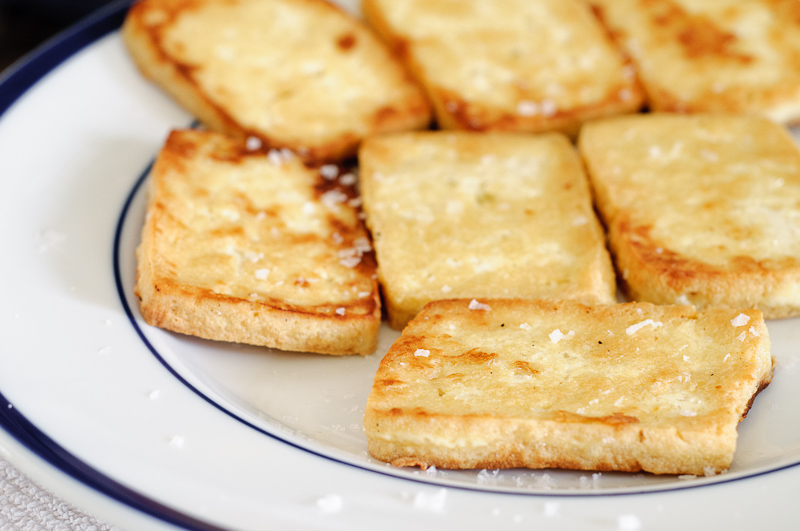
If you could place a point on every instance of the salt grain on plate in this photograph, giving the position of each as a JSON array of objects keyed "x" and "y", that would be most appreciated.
[
  {"x": 331, "y": 503},
  {"x": 551, "y": 508},
  {"x": 629, "y": 522},
  {"x": 431, "y": 502}
]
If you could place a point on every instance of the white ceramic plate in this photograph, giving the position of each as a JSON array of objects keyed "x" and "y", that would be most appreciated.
[{"x": 150, "y": 429}]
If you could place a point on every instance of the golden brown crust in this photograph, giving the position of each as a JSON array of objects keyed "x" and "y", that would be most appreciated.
[
  {"x": 254, "y": 247},
  {"x": 700, "y": 209},
  {"x": 508, "y": 66},
  {"x": 296, "y": 74},
  {"x": 543, "y": 384},
  {"x": 458, "y": 214},
  {"x": 729, "y": 56}
]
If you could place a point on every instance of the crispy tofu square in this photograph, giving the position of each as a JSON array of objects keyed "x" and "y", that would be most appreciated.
[
  {"x": 514, "y": 65},
  {"x": 541, "y": 384},
  {"x": 458, "y": 214},
  {"x": 701, "y": 209},
  {"x": 254, "y": 247}
]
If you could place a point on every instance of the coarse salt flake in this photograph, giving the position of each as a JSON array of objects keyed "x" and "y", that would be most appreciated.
[
  {"x": 274, "y": 157},
  {"x": 726, "y": 357},
  {"x": 525, "y": 326},
  {"x": 348, "y": 179},
  {"x": 362, "y": 245},
  {"x": 741, "y": 337},
  {"x": 253, "y": 143},
  {"x": 551, "y": 508},
  {"x": 340, "y": 311},
  {"x": 446, "y": 289},
  {"x": 475, "y": 305},
  {"x": 422, "y": 353},
  {"x": 740, "y": 320},
  {"x": 527, "y": 108},
  {"x": 431, "y": 502},
  {"x": 548, "y": 107},
  {"x": 331, "y": 198},
  {"x": 350, "y": 261},
  {"x": 331, "y": 503},
  {"x": 557, "y": 335},
  {"x": 629, "y": 522},
  {"x": 632, "y": 329},
  {"x": 262, "y": 274},
  {"x": 753, "y": 331},
  {"x": 329, "y": 171},
  {"x": 688, "y": 413}
]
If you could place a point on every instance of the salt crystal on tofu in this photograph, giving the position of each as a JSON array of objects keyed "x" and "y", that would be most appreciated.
[
  {"x": 475, "y": 305},
  {"x": 740, "y": 320}
]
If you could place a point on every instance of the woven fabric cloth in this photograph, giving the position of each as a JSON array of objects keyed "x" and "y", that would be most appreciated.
[{"x": 26, "y": 506}]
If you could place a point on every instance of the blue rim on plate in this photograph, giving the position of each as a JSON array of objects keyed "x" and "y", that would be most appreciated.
[{"x": 14, "y": 82}]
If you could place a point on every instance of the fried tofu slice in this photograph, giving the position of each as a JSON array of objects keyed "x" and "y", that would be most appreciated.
[
  {"x": 296, "y": 74},
  {"x": 513, "y": 65},
  {"x": 700, "y": 209},
  {"x": 727, "y": 56},
  {"x": 251, "y": 246},
  {"x": 546, "y": 384},
  {"x": 461, "y": 214}
]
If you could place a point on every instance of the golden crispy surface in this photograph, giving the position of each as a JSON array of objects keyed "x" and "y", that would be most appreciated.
[
  {"x": 702, "y": 209},
  {"x": 513, "y": 65},
  {"x": 294, "y": 73},
  {"x": 722, "y": 56},
  {"x": 481, "y": 215},
  {"x": 255, "y": 247},
  {"x": 543, "y": 384}
]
